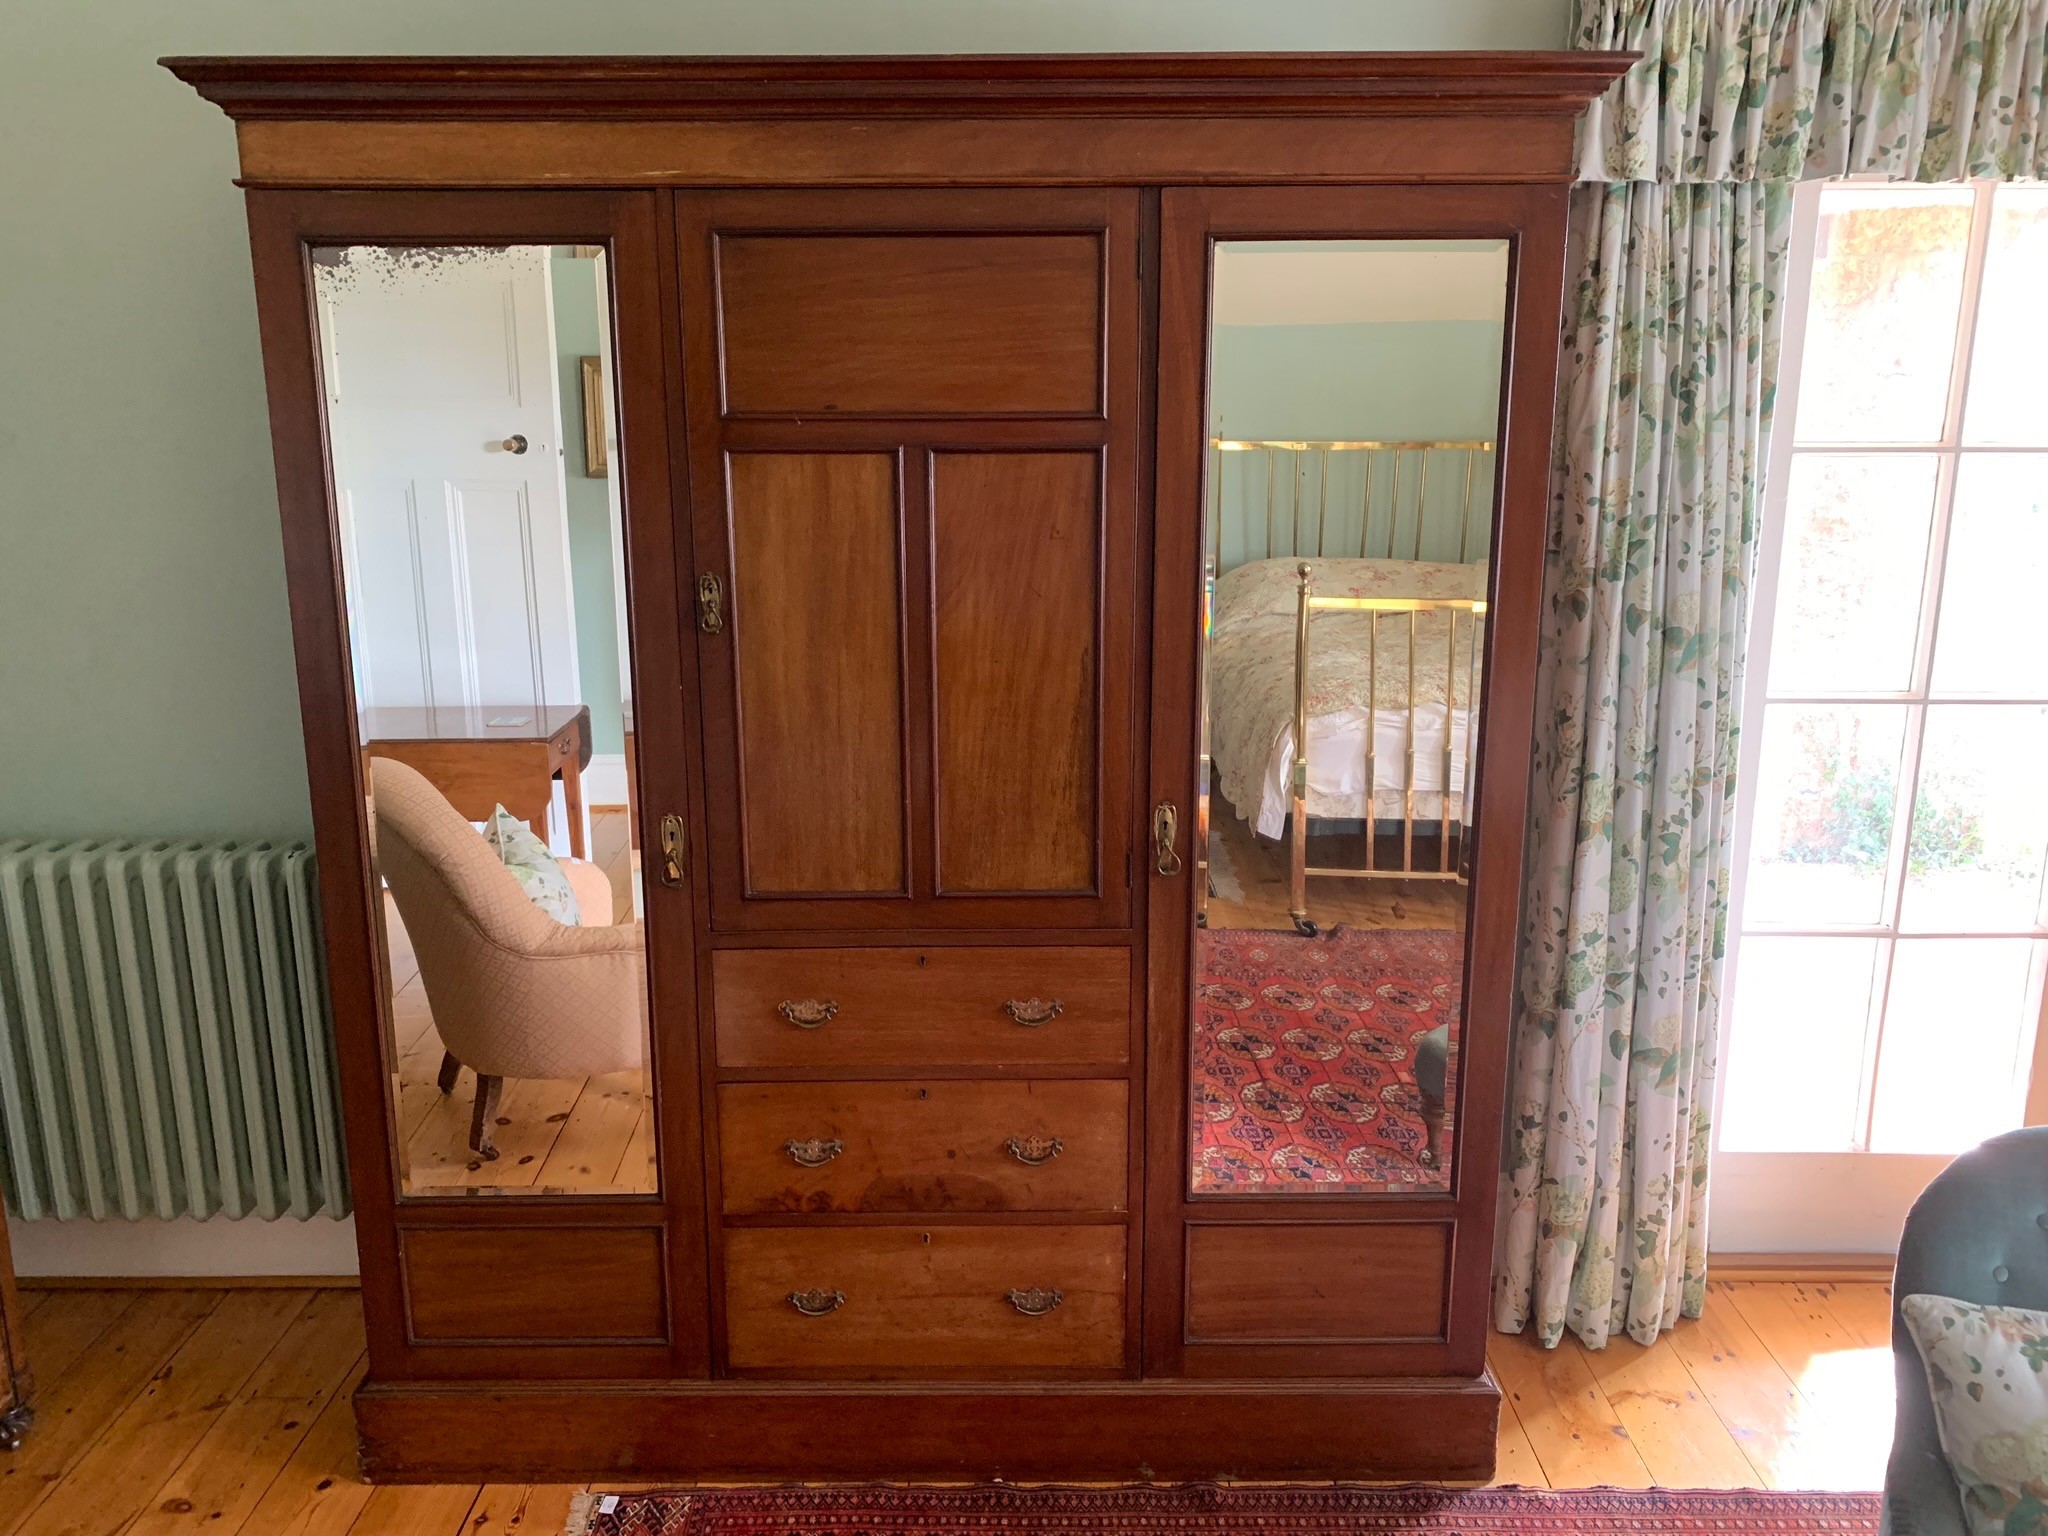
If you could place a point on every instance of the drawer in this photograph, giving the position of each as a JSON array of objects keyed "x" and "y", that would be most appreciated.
[
  {"x": 912, "y": 1008},
  {"x": 1014, "y": 1145},
  {"x": 906, "y": 1301}
]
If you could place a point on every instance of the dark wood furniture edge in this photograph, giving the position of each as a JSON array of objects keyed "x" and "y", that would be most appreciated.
[
  {"x": 1008, "y": 85},
  {"x": 1397, "y": 1428}
]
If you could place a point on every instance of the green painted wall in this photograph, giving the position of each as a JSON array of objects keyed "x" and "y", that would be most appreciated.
[
  {"x": 145, "y": 662},
  {"x": 1435, "y": 379},
  {"x": 574, "y": 283},
  {"x": 1418, "y": 382}
]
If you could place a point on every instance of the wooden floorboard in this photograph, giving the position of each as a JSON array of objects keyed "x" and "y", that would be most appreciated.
[{"x": 226, "y": 1412}]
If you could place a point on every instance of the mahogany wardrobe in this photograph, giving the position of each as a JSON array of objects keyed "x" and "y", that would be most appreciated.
[{"x": 917, "y": 683}]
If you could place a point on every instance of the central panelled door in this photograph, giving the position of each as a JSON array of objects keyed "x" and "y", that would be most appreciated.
[
  {"x": 912, "y": 428},
  {"x": 912, "y": 436}
]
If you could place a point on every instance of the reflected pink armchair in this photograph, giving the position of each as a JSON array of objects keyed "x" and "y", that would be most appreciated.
[{"x": 513, "y": 992}]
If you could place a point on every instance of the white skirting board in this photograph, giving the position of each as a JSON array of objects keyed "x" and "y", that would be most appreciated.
[
  {"x": 604, "y": 781},
  {"x": 222, "y": 1246}
]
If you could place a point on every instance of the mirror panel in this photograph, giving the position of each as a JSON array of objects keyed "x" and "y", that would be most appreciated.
[
  {"x": 474, "y": 455},
  {"x": 1354, "y": 399}
]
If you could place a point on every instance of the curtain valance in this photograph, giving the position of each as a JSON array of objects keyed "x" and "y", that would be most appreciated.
[{"x": 1785, "y": 90}]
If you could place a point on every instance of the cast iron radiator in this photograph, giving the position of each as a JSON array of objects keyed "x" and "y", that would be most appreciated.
[{"x": 165, "y": 1045}]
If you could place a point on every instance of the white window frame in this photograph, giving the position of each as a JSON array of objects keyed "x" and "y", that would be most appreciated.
[{"x": 1853, "y": 1200}]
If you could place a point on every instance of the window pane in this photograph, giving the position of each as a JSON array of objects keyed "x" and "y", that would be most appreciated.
[
  {"x": 1980, "y": 822},
  {"x": 1855, "y": 560},
  {"x": 1958, "y": 1033},
  {"x": 2007, "y": 403},
  {"x": 1881, "y": 324},
  {"x": 1996, "y": 571},
  {"x": 1795, "y": 1061},
  {"x": 1825, "y": 790}
]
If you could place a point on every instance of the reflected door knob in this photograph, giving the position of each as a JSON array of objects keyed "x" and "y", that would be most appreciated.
[{"x": 516, "y": 443}]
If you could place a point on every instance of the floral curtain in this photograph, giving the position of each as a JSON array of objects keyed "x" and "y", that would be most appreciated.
[{"x": 1678, "y": 237}]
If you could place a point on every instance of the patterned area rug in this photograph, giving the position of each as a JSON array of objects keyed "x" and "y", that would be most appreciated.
[
  {"x": 1207, "y": 1510},
  {"x": 1304, "y": 1054}
]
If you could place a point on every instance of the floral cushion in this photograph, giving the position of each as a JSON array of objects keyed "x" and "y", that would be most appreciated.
[
  {"x": 1987, "y": 1368},
  {"x": 536, "y": 869}
]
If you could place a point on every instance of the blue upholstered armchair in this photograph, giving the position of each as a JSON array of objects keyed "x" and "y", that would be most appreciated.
[{"x": 1979, "y": 1233}]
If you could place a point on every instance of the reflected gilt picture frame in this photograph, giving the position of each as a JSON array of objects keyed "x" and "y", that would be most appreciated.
[{"x": 596, "y": 464}]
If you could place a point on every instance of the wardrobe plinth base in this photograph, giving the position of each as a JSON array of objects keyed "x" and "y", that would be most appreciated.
[{"x": 1126, "y": 1431}]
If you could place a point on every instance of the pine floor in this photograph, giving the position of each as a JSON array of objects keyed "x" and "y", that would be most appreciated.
[{"x": 166, "y": 1411}]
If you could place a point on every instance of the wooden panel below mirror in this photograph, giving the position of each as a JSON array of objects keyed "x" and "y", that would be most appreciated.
[
  {"x": 1317, "y": 1283},
  {"x": 535, "y": 1285}
]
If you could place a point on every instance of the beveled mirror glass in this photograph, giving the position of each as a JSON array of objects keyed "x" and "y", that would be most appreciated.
[
  {"x": 1354, "y": 400},
  {"x": 474, "y": 456}
]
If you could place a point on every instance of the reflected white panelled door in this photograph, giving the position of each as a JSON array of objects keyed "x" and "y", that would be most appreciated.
[{"x": 439, "y": 364}]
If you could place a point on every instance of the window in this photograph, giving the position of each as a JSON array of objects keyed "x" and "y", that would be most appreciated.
[{"x": 1889, "y": 905}]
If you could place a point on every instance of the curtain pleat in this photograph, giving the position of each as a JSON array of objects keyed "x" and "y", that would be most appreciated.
[{"x": 1662, "y": 434}]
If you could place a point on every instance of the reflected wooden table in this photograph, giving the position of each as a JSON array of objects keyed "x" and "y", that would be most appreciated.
[{"x": 484, "y": 758}]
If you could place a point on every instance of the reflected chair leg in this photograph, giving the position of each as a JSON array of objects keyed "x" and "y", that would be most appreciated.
[
  {"x": 451, "y": 1069},
  {"x": 1432, "y": 1128},
  {"x": 483, "y": 1117}
]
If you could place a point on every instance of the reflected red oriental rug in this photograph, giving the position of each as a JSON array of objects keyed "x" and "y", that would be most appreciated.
[
  {"x": 1304, "y": 1058},
  {"x": 1209, "y": 1510}
]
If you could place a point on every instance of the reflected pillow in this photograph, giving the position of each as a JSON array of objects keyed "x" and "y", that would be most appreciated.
[
  {"x": 538, "y": 872},
  {"x": 1987, "y": 1368},
  {"x": 1264, "y": 588}
]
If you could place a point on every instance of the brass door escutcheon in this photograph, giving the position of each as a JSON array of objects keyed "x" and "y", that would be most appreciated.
[
  {"x": 710, "y": 604},
  {"x": 1166, "y": 833},
  {"x": 671, "y": 850}
]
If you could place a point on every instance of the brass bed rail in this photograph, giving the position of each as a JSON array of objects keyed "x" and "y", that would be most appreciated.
[
  {"x": 1398, "y": 523},
  {"x": 1454, "y": 798}
]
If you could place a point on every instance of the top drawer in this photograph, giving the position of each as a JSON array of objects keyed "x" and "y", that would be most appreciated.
[{"x": 916, "y": 1008}]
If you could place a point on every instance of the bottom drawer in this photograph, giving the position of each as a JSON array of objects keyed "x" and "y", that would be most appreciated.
[{"x": 909, "y": 1301}]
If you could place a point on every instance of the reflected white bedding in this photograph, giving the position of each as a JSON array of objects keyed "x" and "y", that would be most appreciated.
[{"x": 1251, "y": 690}]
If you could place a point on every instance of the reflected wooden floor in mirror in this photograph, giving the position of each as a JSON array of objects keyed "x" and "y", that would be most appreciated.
[
  {"x": 575, "y": 1136},
  {"x": 1248, "y": 887}
]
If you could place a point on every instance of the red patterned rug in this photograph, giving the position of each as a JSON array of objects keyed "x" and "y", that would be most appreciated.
[
  {"x": 1304, "y": 1053},
  {"x": 1209, "y": 1510}
]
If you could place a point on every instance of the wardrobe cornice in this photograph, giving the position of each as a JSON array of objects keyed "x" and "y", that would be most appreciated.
[{"x": 1079, "y": 119}]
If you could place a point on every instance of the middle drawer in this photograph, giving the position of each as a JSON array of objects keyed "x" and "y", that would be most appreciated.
[{"x": 1009, "y": 1145}]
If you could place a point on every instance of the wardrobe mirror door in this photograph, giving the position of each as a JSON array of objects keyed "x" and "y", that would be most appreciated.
[
  {"x": 1353, "y": 403},
  {"x": 470, "y": 419}
]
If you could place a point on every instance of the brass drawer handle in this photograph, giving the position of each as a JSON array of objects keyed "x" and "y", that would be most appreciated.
[
  {"x": 1032, "y": 1012},
  {"x": 818, "y": 1303},
  {"x": 1034, "y": 1302},
  {"x": 1035, "y": 1150},
  {"x": 814, "y": 1153},
  {"x": 809, "y": 1012}
]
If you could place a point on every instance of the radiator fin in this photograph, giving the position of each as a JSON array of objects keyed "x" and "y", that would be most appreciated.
[{"x": 165, "y": 1045}]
